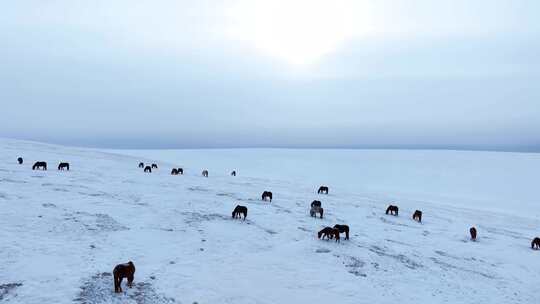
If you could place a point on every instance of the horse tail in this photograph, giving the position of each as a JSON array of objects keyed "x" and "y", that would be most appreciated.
[{"x": 322, "y": 211}]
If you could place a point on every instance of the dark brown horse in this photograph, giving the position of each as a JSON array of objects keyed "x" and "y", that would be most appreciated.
[
  {"x": 329, "y": 233},
  {"x": 63, "y": 166},
  {"x": 394, "y": 210},
  {"x": 343, "y": 229},
  {"x": 174, "y": 171},
  {"x": 535, "y": 243},
  {"x": 316, "y": 209},
  {"x": 316, "y": 203},
  {"x": 122, "y": 271},
  {"x": 266, "y": 195},
  {"x": 323, "y": 189},
  {"x": 238, "y": 211},
  {"x": 205, "y": 173},
  {"x": 154, "y": 166},
  {"x": 148, "y": 169},
  {"x": 473, "y": 233},
  {"x": 20, "y": 160},
  {"x": 141, "y": 165},
  {"x": 417, "y": 216},
  {"x": 38, "y": 165},
  {"x": 233, "y": 173}
]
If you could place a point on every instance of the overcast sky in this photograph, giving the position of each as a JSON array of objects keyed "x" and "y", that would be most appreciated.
[{"x": 317, "y": 73}]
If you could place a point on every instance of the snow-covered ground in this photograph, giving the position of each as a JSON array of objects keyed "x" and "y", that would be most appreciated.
[{"x": 63, "y": 232}]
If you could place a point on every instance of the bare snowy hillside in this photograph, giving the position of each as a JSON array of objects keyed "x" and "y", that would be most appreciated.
[{"x": 62, "y": 232}]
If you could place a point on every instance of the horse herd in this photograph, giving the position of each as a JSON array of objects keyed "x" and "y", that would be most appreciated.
[
  {"x": 127, "y": 270},
  {"x": 41, "y": 165}
]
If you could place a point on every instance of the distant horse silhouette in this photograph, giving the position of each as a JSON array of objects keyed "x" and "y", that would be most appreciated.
[
  {"x": 62, "y": 166},
  {"x": 20, "y": 160},
  {"x": 323, "y": 189},
  {"x": 394, "y": 210},
  {"x": 473, "y": 233},
  {"x": 329, "y": 233},
  {"x": 122, "y": 271},
  {"x": 535, "y": 243},
  {"x": 174, "y": 172},
  {"x": 343, "y": 229},
  {"x": 40, "y": 164},
  {"x": 180, "y": 171},
  {"x": 154, "y": 166},
  {"x": 233, "y": 173},
  {"x": 316, "y": 209},
  {"x": 148, "y": 169},
  {"x": 417, "y": 216},
  {"x": 238, "y": 211},
  {"x": 205, "y": 173},
  {"x": 315, "y": 203},
  {"x": 141, "y": 165},
  {"x": 267, "y": 194}
]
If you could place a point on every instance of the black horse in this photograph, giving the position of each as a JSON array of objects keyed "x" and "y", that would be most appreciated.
[
  {"x": 417, "y": 216},
  {"x": 62, "y": 166},
  {"x": 205, "y": 173},
  {"x": 323, "y": 189},
  {"x": 329, "y": 233},
  {"x": 122, "y": 271},
  {"x": 343, "y": 229},
  {"x": 473, "y": 233},
  {"x": 394, "y": 210},
  {"x": 40, "y": 164},
  {"x": 233, "y": 173},
  {"x": 180, "y": 171},
  {"x": 316, "y": 204},
  {"x": 316, "y": 209},
  {"x": 535, "y": 243},
  {"x": 238, "y": 211},
  {"x": 174, "y": 171},
  {"x": 20, "y": 160},
  {"x": 267, "y": 194},
  {"x": 148, "y": 169},
  {"x": 154, "y": 166},
  {"x": 141, "y": 165}
]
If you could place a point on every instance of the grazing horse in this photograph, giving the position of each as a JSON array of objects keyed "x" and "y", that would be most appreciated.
[
  {"x": 148, "y": 169},
  {"x": 394, "y": 210},
  {"x": 180, "y": 171},
  {"x": 20, "y": 160},
  {"x": 473, "y": 233},
  {"x": 154, "y": 166},
  {"x": 316, "y": 209},
  {"x": 417, "y": 216},
  {"x": 329, "y": 233},
  {"x": 174, "y": 172},
  {"x": 205, "y": 173},
  {"x": 323, "y": 189},
  {"x": 267, "y": 194},
  {"x": 40, "y": 164},
  {"x": 233, "y": 173},
  {"x": 122, "y": 271},
  {"x": 62, "y": 166},
  {"x": 141, "y": 165},
  {"x": 343, "y": 229},
  {"x": 535, "y": 243},
  {"x": 238, "y": 211}
]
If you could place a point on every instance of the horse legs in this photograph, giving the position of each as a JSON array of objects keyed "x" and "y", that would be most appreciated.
[
  {"x": 130, "y": 280},
  {"x": 117, "y": 283}
]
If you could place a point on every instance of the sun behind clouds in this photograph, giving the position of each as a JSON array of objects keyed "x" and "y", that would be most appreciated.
[{"x": 299, "y": 32}]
